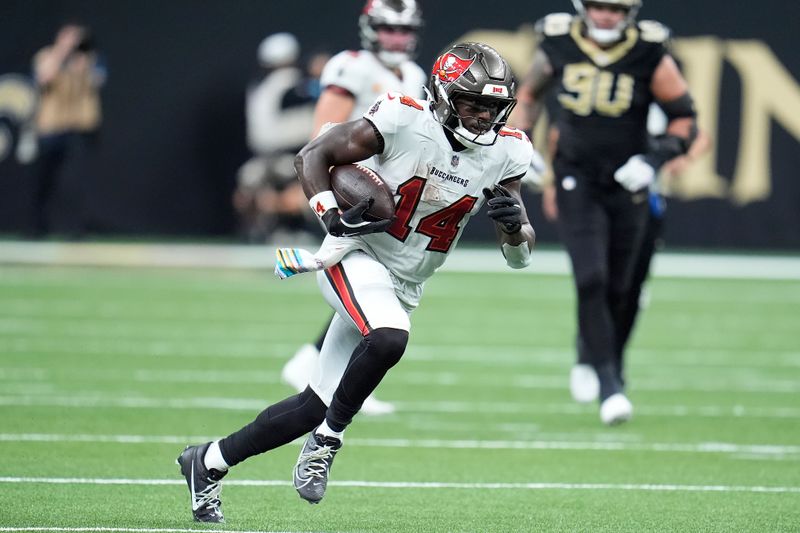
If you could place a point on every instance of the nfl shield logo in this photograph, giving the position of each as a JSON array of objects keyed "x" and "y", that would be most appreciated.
[{"x": 454, "y": 161}]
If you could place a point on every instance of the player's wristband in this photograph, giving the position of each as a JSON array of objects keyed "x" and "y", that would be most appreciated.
[
  {"x": 518, "y": 256},
  {"x": 322, "y": 202}
]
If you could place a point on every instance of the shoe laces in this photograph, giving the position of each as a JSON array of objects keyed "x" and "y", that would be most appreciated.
[
  {"x": 208, "y": 498},
  {"x": 318, "y": 460}
]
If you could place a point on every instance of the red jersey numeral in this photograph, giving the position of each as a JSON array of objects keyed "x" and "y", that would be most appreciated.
[
  {"x": 442, "y": 226},
  {"x": 410, "y": 193}
]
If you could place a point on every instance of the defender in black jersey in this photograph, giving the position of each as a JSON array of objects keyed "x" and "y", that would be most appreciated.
[{"x": 606, "y": 69}]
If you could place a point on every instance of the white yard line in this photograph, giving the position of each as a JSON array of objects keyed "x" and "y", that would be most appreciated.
[
  {"x": 721, "y": 382},
  {"x": 701, "y": 447},
  {"x": 423, "y": 485},
  {"x": 461, "y": 260},
  {"x": 251, "y": 404},
  {"x": 532, "y": 355},
  {"x": 123, "y": 530}
]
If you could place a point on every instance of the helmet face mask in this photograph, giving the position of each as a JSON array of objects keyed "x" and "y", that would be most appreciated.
[
  {"x": 403, "y": 16},
  {"x": 606, "y": 36},
  {"x": 476, "y": 79}
]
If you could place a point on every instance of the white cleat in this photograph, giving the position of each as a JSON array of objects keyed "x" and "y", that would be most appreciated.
[
  {"x": 375, "y": 407},
  {"x": 583, "y": 384},
  {"x": 296, "y": 371},
  {"x": 616, "y": 409}
]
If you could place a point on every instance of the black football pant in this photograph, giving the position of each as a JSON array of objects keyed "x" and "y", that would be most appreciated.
[
  {"x": 652, "y": 241},
  {"x": 641, "y": 270},
  {"x": 602, "y": 228},
  {"x": 297, "y": 415}
]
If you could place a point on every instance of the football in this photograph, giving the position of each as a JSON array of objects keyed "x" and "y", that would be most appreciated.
[{"x": 352, "y": 183}]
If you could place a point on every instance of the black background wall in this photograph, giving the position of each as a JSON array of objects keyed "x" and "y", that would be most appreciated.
[{"x": 173, "y": 135}]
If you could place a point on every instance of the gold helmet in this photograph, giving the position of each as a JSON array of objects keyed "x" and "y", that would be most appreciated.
[{"x": 607, "y": 36}]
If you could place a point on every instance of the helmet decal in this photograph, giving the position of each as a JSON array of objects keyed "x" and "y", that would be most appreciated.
[
  {"x": 471, "y": 71},
  {"x": 449, "y": 67}
]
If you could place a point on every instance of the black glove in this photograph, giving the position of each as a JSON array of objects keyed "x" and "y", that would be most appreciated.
[
  {"x": 351, "y": 222},
  {"x": 504, "y": 209}
]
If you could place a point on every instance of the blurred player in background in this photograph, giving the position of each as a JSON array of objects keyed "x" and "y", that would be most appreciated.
[
  {"x": 375, "y": 275},
  {"x": 351, "y": 81},
  {"x": 606, "y": 69},
  {"x": 636, "y": 298},
  {"x": 279, "y": 113}
]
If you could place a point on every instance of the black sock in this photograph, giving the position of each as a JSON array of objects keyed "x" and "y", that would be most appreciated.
[{"x": 275, "y": 426}]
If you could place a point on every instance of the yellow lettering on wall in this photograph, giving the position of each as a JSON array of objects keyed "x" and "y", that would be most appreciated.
[
  {"x": 516, "y": 47},
  {"x": 768, "y": 92}
]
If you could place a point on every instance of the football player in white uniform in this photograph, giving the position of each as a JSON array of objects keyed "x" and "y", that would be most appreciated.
[
  {"x": 351, "y": 82},
  {"x": 444, "y": 157}
]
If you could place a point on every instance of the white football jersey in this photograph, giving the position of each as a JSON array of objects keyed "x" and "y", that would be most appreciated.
[
  {"x": 437, "y": 189},
  {"x": 366, "y": 78}
]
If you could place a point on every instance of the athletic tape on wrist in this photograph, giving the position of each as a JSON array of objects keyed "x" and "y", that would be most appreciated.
[
  {"x": 518, "y": 256},
  {"x": 322, "y": 202}
]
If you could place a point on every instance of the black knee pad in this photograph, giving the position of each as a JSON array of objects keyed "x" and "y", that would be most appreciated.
[{"x": 387, "y": 345}]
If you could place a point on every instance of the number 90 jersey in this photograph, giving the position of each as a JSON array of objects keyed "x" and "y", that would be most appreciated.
[
  {"x": 437, "y": 189},
  {"x": 603, "y": 94}
]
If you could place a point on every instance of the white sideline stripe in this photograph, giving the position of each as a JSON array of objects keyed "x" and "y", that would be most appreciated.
[
  {"x": 125, "y": 530},
  {"x": 461, "y": 260},
  {"x": 702, "y": 447},
  {"x": 246, "y": 404},
  {"x": 421, "y": 485}
]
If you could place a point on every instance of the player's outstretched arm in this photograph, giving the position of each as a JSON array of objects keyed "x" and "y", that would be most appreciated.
[{"x": 514, "y": 230}]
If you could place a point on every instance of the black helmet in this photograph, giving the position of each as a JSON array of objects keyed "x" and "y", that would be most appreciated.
[
  {"x": 396, "y": 13},
  {"x": 478, "y": 72}
]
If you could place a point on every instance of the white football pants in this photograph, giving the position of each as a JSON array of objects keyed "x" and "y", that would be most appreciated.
[{"x": 361, "y": 291}]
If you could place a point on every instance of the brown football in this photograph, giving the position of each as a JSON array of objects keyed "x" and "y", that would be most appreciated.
[{"x": 352, "y": 183}]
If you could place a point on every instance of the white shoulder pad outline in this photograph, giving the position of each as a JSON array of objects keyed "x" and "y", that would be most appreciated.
[
  {"x": 555, "y": 24},
  {"x": 346, "y": 69},
  {"x": 519, "y": 150},
  {"x": 399, "y": 109},
  {"x": 652, "y": 31}
]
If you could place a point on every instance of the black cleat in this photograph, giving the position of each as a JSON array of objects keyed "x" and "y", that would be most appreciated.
[
  {"x": 204, "y": 484},
  {"x": 314, "y": 465}
]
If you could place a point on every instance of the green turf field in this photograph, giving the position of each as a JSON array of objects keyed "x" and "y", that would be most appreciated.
[{"x": 105, "y": 374}]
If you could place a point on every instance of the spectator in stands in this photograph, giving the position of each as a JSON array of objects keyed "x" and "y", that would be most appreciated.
[{"x": 69, "y": 76}]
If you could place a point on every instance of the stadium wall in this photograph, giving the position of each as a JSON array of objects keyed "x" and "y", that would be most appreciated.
[{"x": 173, "y": 135}]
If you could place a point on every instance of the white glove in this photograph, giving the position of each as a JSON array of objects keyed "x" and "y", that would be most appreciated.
[{"x": 636, "y": 174}]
